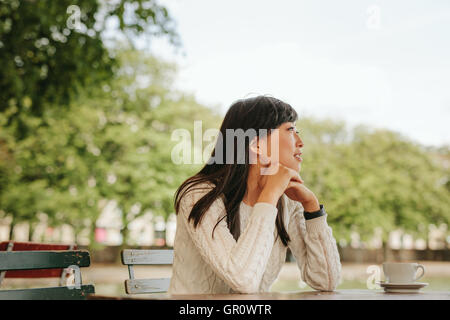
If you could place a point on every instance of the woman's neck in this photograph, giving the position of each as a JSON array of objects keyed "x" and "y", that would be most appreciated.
[{"x": 253, "y": 188}]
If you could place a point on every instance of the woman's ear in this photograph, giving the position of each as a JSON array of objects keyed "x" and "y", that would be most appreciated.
[
  {"x": 254, "y": 145},
  {"x": 256, "y": 149},
  {"x": 253, "y": 150}
]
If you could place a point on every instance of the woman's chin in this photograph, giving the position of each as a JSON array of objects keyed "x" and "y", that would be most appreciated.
[{"x": 294, "y": 165}]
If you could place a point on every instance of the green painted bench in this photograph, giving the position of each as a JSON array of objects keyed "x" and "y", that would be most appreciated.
[
  {"x": 11, "y": 245},
  {"x": 34, "y": 260},
  {"x": 146, "y": 257}
]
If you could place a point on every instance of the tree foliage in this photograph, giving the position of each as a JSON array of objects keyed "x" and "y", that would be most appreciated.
[
  {"x": 111, "y": 143},
  {"x": 82, "y": 122},
  {"x": 369, "y": 178},
  {"x": 50, "y": 50}
]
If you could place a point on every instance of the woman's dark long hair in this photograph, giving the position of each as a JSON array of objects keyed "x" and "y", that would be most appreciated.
[{"x": 229, "y": 178}]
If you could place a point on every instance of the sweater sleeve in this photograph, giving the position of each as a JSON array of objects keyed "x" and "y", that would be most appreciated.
[
  {"x": 315, "y": 250},
  {"x": 241, "y": 264}
]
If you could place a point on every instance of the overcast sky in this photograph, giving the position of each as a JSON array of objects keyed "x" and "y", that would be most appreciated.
[{"x": 381, "y": 63}]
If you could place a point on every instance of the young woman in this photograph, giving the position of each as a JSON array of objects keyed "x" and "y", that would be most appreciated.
[{"x": 238, "y": 215}]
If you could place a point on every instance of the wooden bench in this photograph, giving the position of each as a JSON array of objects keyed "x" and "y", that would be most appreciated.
[
  {"x": 40, "y": 273},
  {"x": 146, "y": 257},
  {"x": 37, "y": 260}
]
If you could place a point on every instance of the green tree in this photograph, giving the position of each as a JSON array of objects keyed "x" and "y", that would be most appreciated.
[
  {"x": 112, "y": 143},
  {"x": 52, "y": 49},
  {"x": 373, "y": 178},
  {"x": 52, "y": 52}
]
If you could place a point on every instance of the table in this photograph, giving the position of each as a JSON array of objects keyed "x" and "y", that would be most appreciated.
[{"x": 347, "y": 294}]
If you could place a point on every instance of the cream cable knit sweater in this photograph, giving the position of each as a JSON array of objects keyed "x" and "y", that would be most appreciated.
[{"x": 252, "y": 264}]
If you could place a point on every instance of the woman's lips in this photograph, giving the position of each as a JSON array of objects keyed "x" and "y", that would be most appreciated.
[{"x": 297, "y": 156}]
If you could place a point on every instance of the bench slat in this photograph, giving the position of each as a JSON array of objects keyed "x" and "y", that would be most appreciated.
[
  {"x": 52, "y": 293},
  {"x": 27, "y": 260},
  {"x": 147, "y": 257},
  {"x": 147, "y": 285}
]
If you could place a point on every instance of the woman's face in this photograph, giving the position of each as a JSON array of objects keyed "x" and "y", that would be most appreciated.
[{"x": 288, "y": 141}]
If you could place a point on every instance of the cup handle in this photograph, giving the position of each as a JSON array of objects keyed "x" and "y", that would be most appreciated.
[{"x": 419, "y": 266}]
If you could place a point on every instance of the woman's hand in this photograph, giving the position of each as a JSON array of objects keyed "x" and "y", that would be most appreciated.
[
  {"x": 273, "y": 185},
  {"x": 299, "y": 192}
]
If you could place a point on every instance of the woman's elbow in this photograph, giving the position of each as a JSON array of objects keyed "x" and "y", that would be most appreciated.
[
  {"x": 329, "y": 286},
  {"x": 244, "y": 283},
  {"x": 246, "y": 287},
  {"x": 324, "y": 284}
]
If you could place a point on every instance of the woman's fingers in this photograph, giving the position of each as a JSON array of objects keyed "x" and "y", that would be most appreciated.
[
  {"x": 293, "y": 184},
  {"x": 275, "y": 168},
  {"x": 297, "y": 178}
]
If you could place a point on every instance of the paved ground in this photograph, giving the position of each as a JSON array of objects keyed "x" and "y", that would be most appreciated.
[
  {"x": 113, "y": 273},
  {"x": 117, "y": 274}
]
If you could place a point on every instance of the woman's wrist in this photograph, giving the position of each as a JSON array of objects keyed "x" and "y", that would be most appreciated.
[
  {"x": 268, "y": 197},
  {"x": 311, "y": 206}
]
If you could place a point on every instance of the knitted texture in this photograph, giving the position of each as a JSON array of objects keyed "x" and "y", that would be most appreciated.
[{"x": 220, "y": 264}]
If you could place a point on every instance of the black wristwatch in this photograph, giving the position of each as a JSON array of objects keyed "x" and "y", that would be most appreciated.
[{"x": 315, "y": 214}]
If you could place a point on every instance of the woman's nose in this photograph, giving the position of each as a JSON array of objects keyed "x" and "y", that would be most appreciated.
[{"x": 299, "y": 142}]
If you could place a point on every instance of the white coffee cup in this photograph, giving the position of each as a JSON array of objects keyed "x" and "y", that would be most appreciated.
[{"x": 401, "y": 272}]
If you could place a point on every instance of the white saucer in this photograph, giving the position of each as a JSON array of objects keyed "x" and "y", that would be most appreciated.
[{"x": 402, "y": 287}]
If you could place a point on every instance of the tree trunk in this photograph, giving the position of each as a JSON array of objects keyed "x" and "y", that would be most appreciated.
[
  {"x": 30, "y": 231},
  {"x": 125, "y": 234},
  {"x": 92, "y": 235},
  {"x": 11, "y": 229},
  {"x": 385, "y": 250}
]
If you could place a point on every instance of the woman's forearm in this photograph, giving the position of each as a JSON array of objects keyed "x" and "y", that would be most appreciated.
[{"x": 268, "y": 197}]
